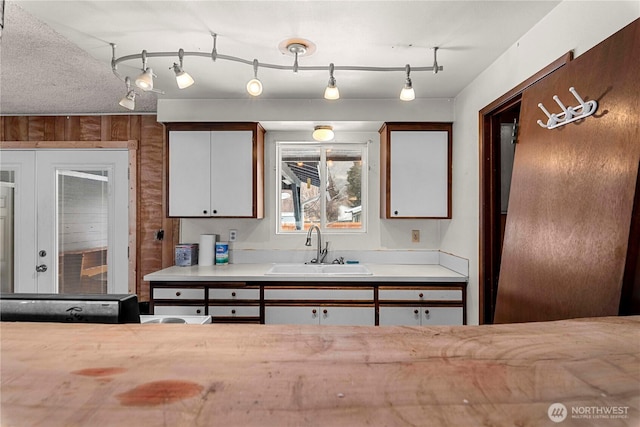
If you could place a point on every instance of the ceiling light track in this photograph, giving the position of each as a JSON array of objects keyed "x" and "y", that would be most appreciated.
[{"x": 297, "y": 48}]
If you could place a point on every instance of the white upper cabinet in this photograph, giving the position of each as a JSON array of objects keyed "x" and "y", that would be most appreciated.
[
  {"x": 415, "y": 170},
  {"x": 215, "y": 173}
]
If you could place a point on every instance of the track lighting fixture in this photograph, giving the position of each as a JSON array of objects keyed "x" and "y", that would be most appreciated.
[
  {"x": 331, "y": 92},
  {"x": 296, "y": 47},
  {"x": 322, "y": 133},
  {"x": 183, "y": 79},
  {"x": 129, "y": 100},
  {"x": 407, "y": 93},
  {"x": 254, "y": 86}
]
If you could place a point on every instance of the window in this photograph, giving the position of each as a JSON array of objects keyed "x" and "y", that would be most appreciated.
[{"x": 323, "y": 185}]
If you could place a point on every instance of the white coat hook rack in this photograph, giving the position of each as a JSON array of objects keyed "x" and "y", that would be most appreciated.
[{"x": 568, "y": 114}]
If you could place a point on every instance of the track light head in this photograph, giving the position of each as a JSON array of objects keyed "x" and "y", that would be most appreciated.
[
  {"x": 129, "y": 100},
  {"x": 145, "y": 80},
  {"x": 407, "y": 93},
  {"x": 183, "y": 79},
  {"x": 331, "y": 92},
  {"x": 254, "y": 86}
]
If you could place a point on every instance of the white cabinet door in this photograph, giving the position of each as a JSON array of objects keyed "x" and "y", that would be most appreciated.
[
  {"x": 414, "y": 316},
  {"x": 390, "y": 316},
  {"x": 189, "y": 173},
  {"x": 280, "y": 315},
  {"x": 419, "y": 174},
  {"x": 352, "y": 316},
  {"x": 232, "y": 173},
  {"x": 441, "y": 315}
]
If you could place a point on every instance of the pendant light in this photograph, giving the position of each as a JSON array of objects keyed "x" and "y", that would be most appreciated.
[
  {"x": 407, "y": 93},
  {"x": 254, "y": 86},
  {"x": 331, "y": 92}
]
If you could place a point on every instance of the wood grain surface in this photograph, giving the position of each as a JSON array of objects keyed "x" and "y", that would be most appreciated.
[
  {"x": 275, "y": 375},
  {"x": 567, "y": 239}
]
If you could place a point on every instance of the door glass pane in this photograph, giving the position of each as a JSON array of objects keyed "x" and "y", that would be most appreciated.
[
  {"x": 7, "y": 184},
  {"x": 83, "y": 223},
  {"x": 344, "y": 184}
]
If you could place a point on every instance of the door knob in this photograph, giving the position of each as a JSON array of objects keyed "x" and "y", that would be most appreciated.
[{"x": 41, "y": 268}]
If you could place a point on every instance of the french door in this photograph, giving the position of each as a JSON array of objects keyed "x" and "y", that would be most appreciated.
[{"x": 67, "y": 230}]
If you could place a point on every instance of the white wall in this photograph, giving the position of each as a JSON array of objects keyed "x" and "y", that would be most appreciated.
[{"x": 572, "y": 25}]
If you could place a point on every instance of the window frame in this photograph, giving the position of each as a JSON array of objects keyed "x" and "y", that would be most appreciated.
[{"x": 363, "y": 147}]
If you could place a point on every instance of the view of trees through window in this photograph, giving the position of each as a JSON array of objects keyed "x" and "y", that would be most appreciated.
[{"x": 321, "y": 185}]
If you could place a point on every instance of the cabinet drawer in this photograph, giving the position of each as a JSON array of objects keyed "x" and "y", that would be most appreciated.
[
  {"x": 419, "y": 295},
  {"x": 179, "y": 309},
  {"x": 234, "y": 311},
  {"x": 233, "y": 294},
  {"x": 178, "y": 293},
  {"x": 319, "y": 294}
]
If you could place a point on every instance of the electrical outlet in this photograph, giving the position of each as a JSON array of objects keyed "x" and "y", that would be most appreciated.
[
  {"x": 233, "y": 235},
  {"x": 415, "y": 236}
]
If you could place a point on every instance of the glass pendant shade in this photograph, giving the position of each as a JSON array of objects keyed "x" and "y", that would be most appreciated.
[
  {"x": 254, "y": 87},
  {"x": 183, "y": 79},
  {"x": 129, "y": 101},
  {"x": 331, "y": 93},
  {"x": 407, "y": 93},
  {"x": 145, "y": 80}
]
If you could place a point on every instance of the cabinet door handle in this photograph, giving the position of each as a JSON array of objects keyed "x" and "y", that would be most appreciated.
[
  {"x": 324, "y": 311},
  {"x": 426, "y": 312},
  {"x": 215, "y": 211},
  {"x": 198, "y": 311},
  {"x": 395, "y": 212},
  {"x": 415, "y": 311},
  {"x": 314, "y": 311},
  {"x": 204, "y": 211},
  {"x": 178, "y": 293}
]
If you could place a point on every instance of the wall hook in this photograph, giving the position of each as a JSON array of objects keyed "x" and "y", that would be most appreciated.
[{"x": 568, "y": 114}]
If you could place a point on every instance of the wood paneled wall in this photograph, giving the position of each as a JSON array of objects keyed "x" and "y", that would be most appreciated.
[{"x": 151, "y": 254}]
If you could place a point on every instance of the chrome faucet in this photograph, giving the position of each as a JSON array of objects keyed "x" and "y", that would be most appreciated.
[{"x": 321, "y": 253}]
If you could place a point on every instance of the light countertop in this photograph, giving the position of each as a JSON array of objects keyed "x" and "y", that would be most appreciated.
[{"x": 257, "y": 273}]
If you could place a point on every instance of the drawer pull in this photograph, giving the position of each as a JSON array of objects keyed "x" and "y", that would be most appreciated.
[
  {"x": 178, "y": 293},
  {"x": 421, "y": 295},
  {"x": 233, "y": 294},
  {"x": 233, "y": 312},
  {"x": 198, "y": 311}
]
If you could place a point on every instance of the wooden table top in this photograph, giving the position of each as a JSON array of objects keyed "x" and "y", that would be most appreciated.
[{"x": 274, "y": 375}]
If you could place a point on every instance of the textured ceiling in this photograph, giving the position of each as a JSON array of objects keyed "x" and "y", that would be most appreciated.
[{"x": 55, "y": 55}]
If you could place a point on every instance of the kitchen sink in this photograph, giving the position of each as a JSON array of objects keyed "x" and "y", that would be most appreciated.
[{"x": 318, "y": 270}]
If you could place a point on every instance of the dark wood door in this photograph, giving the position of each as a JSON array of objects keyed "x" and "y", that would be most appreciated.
[{"x": 571, "y": 240}]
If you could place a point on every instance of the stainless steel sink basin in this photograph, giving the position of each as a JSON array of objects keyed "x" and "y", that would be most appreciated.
[{"x": 318, "y": 270}]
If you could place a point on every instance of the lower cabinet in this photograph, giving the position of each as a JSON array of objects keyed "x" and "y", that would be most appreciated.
[
  {"x": 319, "y": 303},
  {"x": 320, "y": 315},
  {"x": 416, "y": 316}
]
